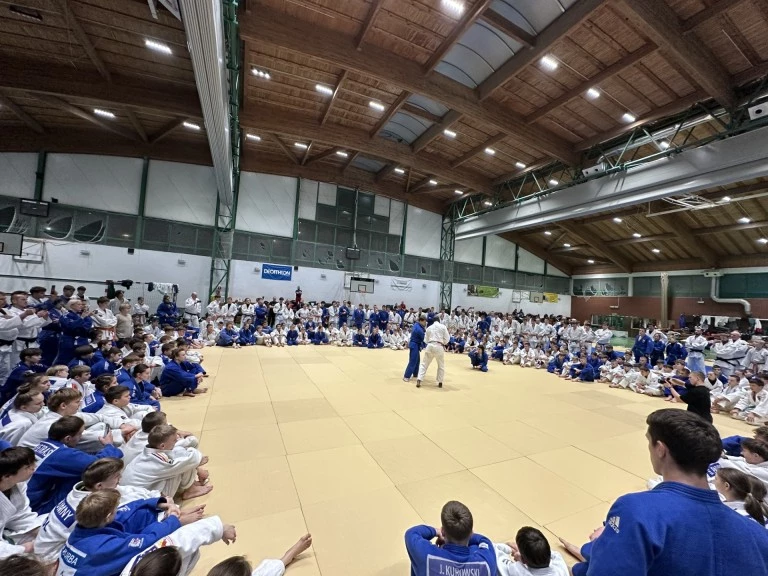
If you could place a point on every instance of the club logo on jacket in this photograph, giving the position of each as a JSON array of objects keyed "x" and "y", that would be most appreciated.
[
  {"x": 136, "y": 542},
  {"x": 613, "y": 522}
]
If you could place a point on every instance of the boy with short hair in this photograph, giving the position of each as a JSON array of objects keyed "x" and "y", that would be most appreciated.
[
  {"x": 696, "y": 395},
  {"x": 117, "y": 404},
  {"x": 138, "y": 441},
  {"x": 29, "y": 361},
  {"x": 25, "y": 412},
  {"x": 83, "y": 356},
  {"x": 529, "y": 555},
  {"x": 457, "y": 548}
]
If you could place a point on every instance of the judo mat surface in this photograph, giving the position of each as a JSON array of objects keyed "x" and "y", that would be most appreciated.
[{"x": 332, "y": 441}]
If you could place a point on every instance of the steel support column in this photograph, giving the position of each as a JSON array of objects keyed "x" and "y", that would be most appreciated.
[
  {"x": 447, "y": 248},
  {"x": 139, "y": 234},
  {"x": 42, "y": 157}
]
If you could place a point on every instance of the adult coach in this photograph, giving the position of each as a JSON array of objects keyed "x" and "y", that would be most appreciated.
[
  {"x": 415, "y": 345},
  {"x": 680, "y": 527},
  {"x": 437, "y": 338}
]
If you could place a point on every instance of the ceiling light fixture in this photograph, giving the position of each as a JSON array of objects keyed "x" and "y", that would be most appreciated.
[
  {"x": 725, "y": 199},
  {"x": 342, "y": 153},
  {"x": 433, "y": 182},
  {"x": 301, "y": 145},
  {"x": 664, "y": 144},
  {"x": 567, "y": 245},
  {"x": 593, "y": 93},
  {"x": 105, "y": 113},
  {"x": 191, "y": 126},
  {"x": 260, "y": 73},
  {"x": 253, "y": 137},
  {"x": 590, "y": 261},
  {"x": 490, "y": 151},
  {"x": 617, "y": 220},
  {"x": 377, "y": 105},
  {"x": 763, "y": 240},
  {"x": 553, "y": 182},
  {"x": 547, "y": 233},
  {"x": 399, "y": 170},
  {"x": 655, "y": 250},
  {"x": 323, "y": 89},
  {"x": 488, "y": 203},
  {"x": 520, "y": 165},
  {"x": 744, "y": 220},
  {"x": 459, "y": 192},
  {"x": 455, "y": 7},
  {"x": 449, "y": 133},
  {"x": 157, "y": 46},
  {"x": 549, "y": 63},
  {"x": 629, "y": 118},
  {"x": 637, "y": 235}
]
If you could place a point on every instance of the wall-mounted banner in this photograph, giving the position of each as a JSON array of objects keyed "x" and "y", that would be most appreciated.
[
  {"x": 274, "y": 272},
  {"x": 551, "y": 297},
  {"x": 482, "y": 291},
  {"x": 402, "y": 284}
]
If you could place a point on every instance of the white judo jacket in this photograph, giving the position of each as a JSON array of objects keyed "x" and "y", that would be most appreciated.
[
  {"x": 16, "y": 517},
  {"x": 15, "y": 424},
  {"x": 138, "y": 442},
  {"x": 162, "y": 469}
]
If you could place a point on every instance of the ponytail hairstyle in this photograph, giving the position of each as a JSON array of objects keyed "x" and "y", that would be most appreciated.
[{"x": 749, "y": 489}]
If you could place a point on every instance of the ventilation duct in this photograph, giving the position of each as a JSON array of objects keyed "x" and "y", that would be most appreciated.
[
  {"x": 713, "y": 295},
  {"x": 203, "y": 25}
]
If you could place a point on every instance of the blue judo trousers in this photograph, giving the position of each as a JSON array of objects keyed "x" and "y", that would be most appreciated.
[{"x": 414, "y": 348}]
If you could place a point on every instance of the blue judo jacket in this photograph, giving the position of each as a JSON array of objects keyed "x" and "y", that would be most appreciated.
[{"x": 427, "y": 559}]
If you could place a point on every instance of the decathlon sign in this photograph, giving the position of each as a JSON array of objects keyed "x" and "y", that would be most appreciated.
[{"x": 272, "y": 272}]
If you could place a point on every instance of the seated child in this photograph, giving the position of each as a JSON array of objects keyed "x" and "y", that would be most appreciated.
[
  {"x": 138, "y": 441},
  {"x": 18, "y": 523},
  {"x": 229, "y": 337},
  {"x": 743, "y": 493},
  {"x": 479, "y": 359},
  {"x": 117, "y": 404},
  {"x": 457, "y": 549},
  {"x": 753, "y": 405},
  {"x": 753, "y": 461},
  {"x": 529, "y": 555},
  {"x": 726, "y": 398},
  {"x": 374, "y": 340},
  {"x": 25, "y": 412}
]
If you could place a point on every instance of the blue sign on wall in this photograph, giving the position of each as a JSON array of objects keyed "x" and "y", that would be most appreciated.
[{"x": 274, "y": 272}]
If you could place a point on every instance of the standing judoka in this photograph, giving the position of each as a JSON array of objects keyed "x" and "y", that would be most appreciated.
[
  {"x": 9, "y": 330},
  {"x": 437, "y": 338},
  {"x": 696, "y": 345},
  {"x": 730, "y": 353},
  {"x": 31, "y": 322},
  {"x": 415, "y": 345},
  {"x": 193, "y": 306}
]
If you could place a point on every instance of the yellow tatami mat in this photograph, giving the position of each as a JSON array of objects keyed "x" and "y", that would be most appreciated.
[{"x": 333, "y": 442}]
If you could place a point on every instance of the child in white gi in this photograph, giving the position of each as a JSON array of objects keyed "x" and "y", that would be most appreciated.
[
  {"x": 754, "y": 400},
  {"x": 138, "y": 441},
  {"x": 18, "y": 523},
  {"x": 25, "y": 412},
  {"x": 727, "y": 398},
  {"x": 170, "y": 469},
  {"x": 529, "y": 555},
  {"x": 117, "y": 405}
]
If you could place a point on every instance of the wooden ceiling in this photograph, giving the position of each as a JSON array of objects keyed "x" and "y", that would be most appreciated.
[{"x": 649, "y": 58}]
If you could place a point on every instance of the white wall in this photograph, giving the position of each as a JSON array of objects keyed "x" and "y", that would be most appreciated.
[
  {"x": 499, "y": 253},
  {"x": 266, "y": 204},
  {"x": 183, "y": 192},
  {"x": 396, "y": 215},
  {"x": 63, "y": 262},
  {"x": 504, "y": 303},
  {"x": 470, "y": 251},
  {"x": 99, "y": 182},
  {"x": 17, "y": 174},
  {"x": 527, "y": 262},
  {"x": 246, "y": 282},
  {"x": 422, "y": 233}
]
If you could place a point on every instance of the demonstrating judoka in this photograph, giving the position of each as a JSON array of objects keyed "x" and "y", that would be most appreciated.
[
  {"x": 415, "y": 344},
  {"x": 437, "y": 338}
]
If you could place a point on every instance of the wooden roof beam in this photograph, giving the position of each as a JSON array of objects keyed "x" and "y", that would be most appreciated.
[
  {"x": 563, "y": 25},
  {"x": 305, "y": 157},
  {"x": 391, "y": 111},
  {"x": 661, "y": 24},
  {"x": 729, "y": 228},
  {"x": 434, "y": 131},
  {"x": 82, "y": 37},
  {"x": 75, "y": 111},
  {"x": 687, "y": 240},
  {"x": 274, "y": 28},
  {"x": 166, "y": 130},
  {"x": 288, "y": 152},
  {"x": 348, "y": 163},
  {"x": 368, "y": 24},
  {"x": 509, "y": 28},
  {"x": 600, "y": 249},
  {"x": 385, "y": 172},
  {"x": 707, "y": 14},
  {"x": 21, "y": 115},
  {"x": 289, "y": 123},
  {"x": 459, "y": 30},
  {"x": 321, "y": 155},
  {"x": 339, "y": 82},
  {"x": 136, "y": 125},
  {"x": 601, "y": 76},
  {"x": 469, "y": 154},
  {"x": 414, "y": 110}
]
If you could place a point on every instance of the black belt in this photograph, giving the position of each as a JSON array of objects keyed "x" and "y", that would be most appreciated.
[
  {"x": 6, "y": 342},
  {"x": 192, "y": 313},
  {"x": 27, "y": 341}
]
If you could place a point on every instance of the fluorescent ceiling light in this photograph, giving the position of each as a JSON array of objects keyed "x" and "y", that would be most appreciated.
[
  {"x": 549, "y": 62},
  {"x": 629, "y": 118},
  {"x": 253, "y": 137},
  {"x": 301, "y": 145},
  {"x": 664, "y": 144},
  {"x": 488, "y": 203},
  {"x": 399, "y": 170},
  {"x": 744, "y": 220},
  {"x": 449, "y": 133},
  {"x": 520, "y": 165},
  {"x": 342, "y": 153},
  {"x": 567, "y": 245},
  {"x": 324, "y": 89},
  {"x": 261, "y": 73},
  {"x": 763, "y": 240},
  {"x": 617, "y": 220},
  {"x": 637, "y": 235},
  {"x": 655, "y": 250},
  {"x": 459, "y": 192},
  {"x": 725, "y": 199},
  {"x": 191, "y": 126},
  {"x": 377, "y": 106},
  {"x": 590, "y": 261},
  {"x": 454, "y": 7},
  {"x": 157, "y": 46},
  {"x": 433, "y": 182},
  {"x": 490, "y": 151},
  {"x": 105, "y": 113},
  {"x": 547, "y": 232},
  {"x": 553, "y": 182},
  {"x": 593, "y": 93}
]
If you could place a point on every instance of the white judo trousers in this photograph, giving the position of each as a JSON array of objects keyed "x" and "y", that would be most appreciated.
[{"x": 434, "y": 352}]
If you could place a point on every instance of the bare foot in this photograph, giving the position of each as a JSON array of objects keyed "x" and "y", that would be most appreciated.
[
  {"x": 196, "y": 491},
  {"x": 200, "y": 390},
  {"x": 188, "y": 393},
  {"x": 301, "y": 544}
]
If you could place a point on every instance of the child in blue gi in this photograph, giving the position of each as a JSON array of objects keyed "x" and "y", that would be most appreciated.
[
  {"x": 107, "y": 365},
  {"x": 60, "y": 465},
  {"x": 479, "y": 358},
  {"x": 93, "y": 402},
  {"x": 292, "y": 338},
  {"x": 30, "y": 362},
  {"x": 229, "y": 336},
  {"x": 457, "y": 550},
  {"x": 375, "y": 340},
  {"x": 83, "y": 356}
]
